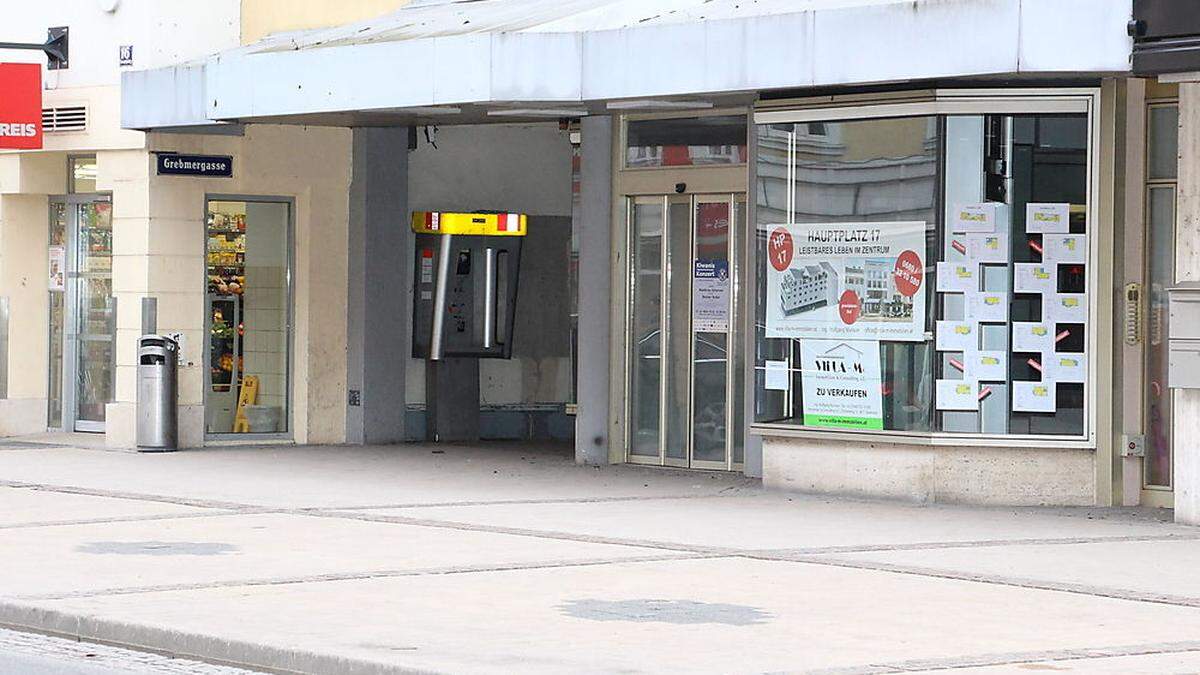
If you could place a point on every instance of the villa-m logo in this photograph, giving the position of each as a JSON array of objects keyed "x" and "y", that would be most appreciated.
[{"x": 841, "y": 358}]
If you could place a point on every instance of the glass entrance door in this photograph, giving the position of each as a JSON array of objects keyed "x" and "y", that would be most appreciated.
[
  {"x": 684, "y": 388},
  {"x": 82, "y": 313}
]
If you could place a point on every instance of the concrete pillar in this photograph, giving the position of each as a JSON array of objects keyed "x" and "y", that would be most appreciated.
[
  {"x": 158, "y": 251},
  {"x": 452, "y": 400},
  {"x": 592, "y": 422},
  {"x": 1186, "y": 413},
  {"x": 378, "y": 316}
]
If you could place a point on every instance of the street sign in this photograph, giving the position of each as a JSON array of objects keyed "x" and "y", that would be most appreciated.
[{"x": 212, "y": 166}]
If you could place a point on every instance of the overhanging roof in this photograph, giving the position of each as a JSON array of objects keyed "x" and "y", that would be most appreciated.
[{"x": 486, "y": 54}]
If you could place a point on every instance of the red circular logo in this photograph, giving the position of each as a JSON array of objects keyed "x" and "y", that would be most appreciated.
[
  {"x": 779, "y": 248},
  {"x": 909, "y": 273},
  {"x": 849, "y": 307}
]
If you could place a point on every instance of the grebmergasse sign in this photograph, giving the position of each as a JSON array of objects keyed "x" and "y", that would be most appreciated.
[{"x": 215, "y": 166}]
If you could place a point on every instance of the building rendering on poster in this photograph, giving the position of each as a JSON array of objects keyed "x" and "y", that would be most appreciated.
[
  {"x": 846, "y": 280},
  {"x": 841, "y": 384}
]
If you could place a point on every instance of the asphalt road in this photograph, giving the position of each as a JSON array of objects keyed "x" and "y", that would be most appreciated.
[{"x": 34, "y": 654}]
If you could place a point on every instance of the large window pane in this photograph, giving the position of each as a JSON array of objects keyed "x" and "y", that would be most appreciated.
[
  {"x": 970, "y": 181},
  {"x": 249, "y": 304},
  {"x": 691, "y": 141},
  {"x": 880, "y": 172},
  {"x": 1163, "y": 161},
  {"x": 1161, "y": 208},
  {"x": 645, "y": 367}
]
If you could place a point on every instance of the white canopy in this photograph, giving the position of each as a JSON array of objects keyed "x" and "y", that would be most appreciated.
[{"x": 456, "y": 60}]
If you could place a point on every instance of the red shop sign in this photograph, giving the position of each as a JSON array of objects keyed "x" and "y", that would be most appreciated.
[{"x": 20, "y": 106}]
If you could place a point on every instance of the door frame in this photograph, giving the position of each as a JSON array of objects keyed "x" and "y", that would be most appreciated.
[
  {"x": 668, "y": 279},
  {"x": 71, "y": 319}
]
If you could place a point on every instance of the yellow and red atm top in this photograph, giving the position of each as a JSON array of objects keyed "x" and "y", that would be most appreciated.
[{"x": 490, "y": 224}]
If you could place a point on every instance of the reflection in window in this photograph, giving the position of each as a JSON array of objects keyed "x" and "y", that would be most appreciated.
[
  {"x": 693, "y": 141},
  {"x": 82, "y": 174},
  {"x": 875, "y": 171}
]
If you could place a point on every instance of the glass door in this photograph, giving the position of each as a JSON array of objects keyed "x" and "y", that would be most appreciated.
[
  {"x": 82, "y": 312},
  {"x": 683, "y": 384},
  {"x": 94, "y": 315}
]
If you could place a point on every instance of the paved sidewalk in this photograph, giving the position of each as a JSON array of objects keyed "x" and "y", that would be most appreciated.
[{"x": 512, "y": 559}]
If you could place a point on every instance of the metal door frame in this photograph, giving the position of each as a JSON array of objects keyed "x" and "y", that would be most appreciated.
[
  {"x": 733, "y": 374},
  {"x": 71, "y": 319}
]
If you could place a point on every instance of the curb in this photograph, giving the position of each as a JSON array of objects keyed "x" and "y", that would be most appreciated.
[{"x": 173, "y": 643}]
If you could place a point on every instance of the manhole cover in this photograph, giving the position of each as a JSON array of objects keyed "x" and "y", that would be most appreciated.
[
  {"x": 156, "y": 548},
  {"x": 665, "y": 611}
]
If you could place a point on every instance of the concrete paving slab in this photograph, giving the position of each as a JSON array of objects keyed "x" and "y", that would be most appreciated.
[
  {"x": 259, "y": 548},
  {"x": 1165, "y": 568},
  {"x": 22, "y": 507},
  {"x": 766, "y": 521},
  {"x": 380, "y": 475},
  {"x": 715, "y": 615}
]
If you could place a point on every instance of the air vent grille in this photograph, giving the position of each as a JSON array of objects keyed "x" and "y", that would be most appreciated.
[{"x": 65, "y": 118}]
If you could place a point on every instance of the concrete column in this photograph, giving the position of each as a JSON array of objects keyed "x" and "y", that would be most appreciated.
[
  {"x": 595, "y": 292},
  {"x": 1186, "y": 413},
  {"x": 158, "y": 251},
  {"x": 378, "y": 316}
]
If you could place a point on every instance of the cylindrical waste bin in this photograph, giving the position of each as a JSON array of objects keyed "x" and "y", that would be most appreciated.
[{"x": 157, "y": 416}]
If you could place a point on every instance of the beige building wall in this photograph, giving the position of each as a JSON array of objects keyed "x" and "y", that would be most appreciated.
[
  {"x": 264, "y": 17},
  {"x": 159, "y": 251},
  {"x": 23, "y": 283},
  {"x": 26, "y": 181}
]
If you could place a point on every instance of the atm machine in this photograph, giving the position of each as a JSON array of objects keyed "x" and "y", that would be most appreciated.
[{"x": 464, "y": 305}]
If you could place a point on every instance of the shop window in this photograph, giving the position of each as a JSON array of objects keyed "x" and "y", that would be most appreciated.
[
  {"x": 924, "y": 274},
  {"x": 691, "y": 141},
  {"x": 249, "y": 306}
]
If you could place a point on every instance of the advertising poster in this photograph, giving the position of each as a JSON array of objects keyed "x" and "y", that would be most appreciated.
[
  {"x": 841, "y": 383},
  {"x": 957, "y": 394},
  {"x": 1031, "y": 336},
  {"x": 710, "y": 296},
  {"x": 1066, "y": 367},
  {"x": 974, "y": 218},
  {"x": 861, "y": 281},
  {"x": 987, "y": 247},
  {"x": 956, "y": 336},
  {"x": 58, "y": 264},
  {"x": 953, "y": 277},
  {"x": 986, "y": 307},
  {"x": 1038, "y": 397},
  {"x": 1047, "y": 217},
  {"x": 1064, "y": 248},
  {"x": 986, "y": 365},
  {"x": 1065, "y": 308},
  {"x": 1034, "y": 278}
]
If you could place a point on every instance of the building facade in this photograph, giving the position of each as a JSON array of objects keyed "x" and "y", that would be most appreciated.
[{"x": 995, "y": 234}]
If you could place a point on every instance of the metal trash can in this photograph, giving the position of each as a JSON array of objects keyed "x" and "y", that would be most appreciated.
[{"x": 157, "y": 415}]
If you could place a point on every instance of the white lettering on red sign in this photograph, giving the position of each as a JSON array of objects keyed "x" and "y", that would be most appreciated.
[{"x": 18, "y": 130}]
